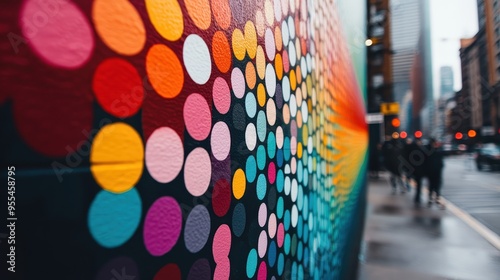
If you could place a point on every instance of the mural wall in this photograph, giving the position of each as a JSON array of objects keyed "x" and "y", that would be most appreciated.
[{"x": 165, "y": 139}]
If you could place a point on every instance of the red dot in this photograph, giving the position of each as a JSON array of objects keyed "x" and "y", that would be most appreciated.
[
  {"x": 271, "y": 172},
  {"x": 118, "y": 87},
  {"x": 221, "y": 197},
  {"x": 170, "y": 271}
]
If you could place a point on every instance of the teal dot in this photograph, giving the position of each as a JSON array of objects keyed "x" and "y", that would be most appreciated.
[
  {"x": 286, "y": 148},
  {"x": 279, "y": 208},
  {"x": 279, "y": 157},
  {"x": 261, "y": 187},
  {"x": 286, "y": 244},
  {"x": 280, "y": 180},
  {"x": 271, "y": 145},
  {"x": 261, "y": 126},
  {"x": 294, "y": 244},
  {"x": 300, "y": 251},
  {"x": 304, "y": 158},
  {"x": 306, "y": 177},
  {"x": 286, "y": 222},
  {"x": 281, "y": 264},
  {"x": 301, "y": 272},
  {"x": 251, "y": 169},
  {"x": 300, "y": 226},
  {"x": 299, "y": 172},
  {"x": 261, "y": 157},
  {"x": 305, "y": 208},
  {"x": 300, "y": 197},
  {"x": 110, "y": 223},
  {"x": 250, "y": 105},
  {"x": 306, "y": 232},
  {"x": 251, "y": 263},
  {"x": 294, "y": 271}
]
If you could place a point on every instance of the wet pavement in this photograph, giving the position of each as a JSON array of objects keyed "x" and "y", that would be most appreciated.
[{"x": 404, "y": 242}]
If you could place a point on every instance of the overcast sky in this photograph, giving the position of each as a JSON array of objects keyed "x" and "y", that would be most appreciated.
[{"x": 451, "y": 20}]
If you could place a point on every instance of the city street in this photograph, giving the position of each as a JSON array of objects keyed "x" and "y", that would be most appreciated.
[{"x": 475, "y": 192}]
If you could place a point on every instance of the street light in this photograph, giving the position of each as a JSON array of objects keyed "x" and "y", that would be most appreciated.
[
  {"x": 472, "y": 133},
  {"x": 368, "y": 42}
]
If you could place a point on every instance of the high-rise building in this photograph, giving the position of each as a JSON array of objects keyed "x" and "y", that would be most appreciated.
[{"x": 446, "y": 79}]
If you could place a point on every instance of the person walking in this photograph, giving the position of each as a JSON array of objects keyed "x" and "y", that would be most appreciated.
[
  {"x": 434, "y": 172},
  {"x": 391, "y": 150},
  {"x": 416, "y": 160}
]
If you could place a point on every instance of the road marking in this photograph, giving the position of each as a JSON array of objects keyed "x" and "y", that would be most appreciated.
[{"x": 485, "y": 232}]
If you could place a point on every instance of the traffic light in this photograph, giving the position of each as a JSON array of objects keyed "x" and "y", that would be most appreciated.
[
  {"x": 459, "y": 136},
  {"x": 472, "y": 133},
  {"x": 403, "y": 135},
  {"x": 396, "y": 122},
  {"x": 418, "y": 134}
]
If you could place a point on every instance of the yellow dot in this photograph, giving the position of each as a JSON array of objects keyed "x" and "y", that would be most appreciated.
[
  {"x": 278, "y": 65},
  {"x": 166, "y": 17},
  {"x": 250, "y": 39},
  {"x": 261, "y": 95},
  {"x": 239, "y": 47},
  {"x": 305, "y": 132},
  {"x": 117, "y": 157},
  {"x": 299, "y": 150},
  {"x": 293, "y": 80},
  {"x": 260, "y": 61},
  {"x": 239, "y": 184}
]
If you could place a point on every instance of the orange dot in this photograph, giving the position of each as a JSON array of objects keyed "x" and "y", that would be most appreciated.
[
  {"x": 221, "y": 51},
  {"x": 261, "y": 95},
  {"x": 239, "y": 48},
  {"x": 299, "y": 75},
  {"x": 277, "y": 38},
  {"x": 293, "y": 80},
  {"x": 222, "y": 13},
  {"x": 166, "y": 16},
  {"x": 250, "y": 75},
  {"x": 286, "y": 114},
  {"x": 164, "y": 71},
  {"x": 278, "y": 66},
  {"x": 250, "y": 39},
  {"x": 119, "y": 25},
  {"x": 260, "y": 61},
  {"x": 299, "y": 119},
  {"x": 199, "y": 11}
]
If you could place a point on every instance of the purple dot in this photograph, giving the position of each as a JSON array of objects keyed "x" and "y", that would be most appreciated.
[{"x": 162, "y": 226}]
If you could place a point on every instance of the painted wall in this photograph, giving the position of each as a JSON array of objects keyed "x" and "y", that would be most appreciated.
[{"x": 194, "y": 139}]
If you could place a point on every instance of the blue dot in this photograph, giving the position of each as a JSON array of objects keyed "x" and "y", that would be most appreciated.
[
  {"x": 251, "y": 263},
  {"x": 280, "y": 180},
  {"x": 251, "y": 169},
  {"x": 261, "y": 157},
  {"x": 281, "y": 264},
  {"x": 261, "y": 187},
  {"x": 280, "y": 208},
  {"x": 271, "y": 145},
  {"x": 286, "y": 148},
  {"x": 287, "y": 243},
  {"x": 261, "y": 126},
  {"x": 306, "y": 255},
  {"x": 239, "y": 219},
  {"x": 286, "y": 221},
  {"x": 110, "y": 223},
  {"x": 294, "y": 271},
  {"x": 250, "y": 105},
  {"x": 300, "y": 251},
  {"x": 306, "y": 232},
  {"x": 299, "y": 172},
  {"x": 279, "y": 157},
  {"x": 300, "y": 197},
  {"x": 301, "y": 272},
  {"x": 300, "y": 226},
  {"x": 271, "y": 253}
]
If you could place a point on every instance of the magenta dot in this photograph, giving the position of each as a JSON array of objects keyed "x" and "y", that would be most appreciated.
[
  {"x": 238, "y": 83},
  {"x": 271, "y": 172},
  {"x": 222, "y": 95},
  {"x": 221, "y": 244},
  {"x": 281, "y": 234},
  {"x": 262, "y": 274},
  {"x": 162, "y": 226},
  {"x": 197, "y": 117},
  {"x": 61, "y": 37}
]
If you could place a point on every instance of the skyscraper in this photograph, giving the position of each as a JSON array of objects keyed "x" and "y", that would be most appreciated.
[{"x": 446, "y": 78}]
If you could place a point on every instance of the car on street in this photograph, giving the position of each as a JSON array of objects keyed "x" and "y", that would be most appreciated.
[{"x": 488, "y": 155}]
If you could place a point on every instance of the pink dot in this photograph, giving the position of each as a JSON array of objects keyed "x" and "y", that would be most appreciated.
[
  {"x": 222, "y": 270},
  {"x": 164, "y": 154},
  {"x": 238, "y": 83},
  {"x": 271, "y": 226},
  {"x": 222, "y": 95},
  {"x": 221, "y": 244},
  {"x": 271, "y": 172},
  {"x": 197, "y": 171},
  {"x": 286, "y": 62},
  {"x": 197, "y": 117},
  {"x": 262, "y": 215},
  {"x": 270, "y": 46},
  {"x": 162, "y": 226},
  {"x": 262, "y": 246},
  {"x": 220, "y": 141},
  {"x": 281, "y": 234},
  {"x": 60, "y": 34},
  {"x": 262, "y": 274}
]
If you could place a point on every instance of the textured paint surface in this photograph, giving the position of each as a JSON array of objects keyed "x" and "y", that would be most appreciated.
[{"x": 247, "y": 116}]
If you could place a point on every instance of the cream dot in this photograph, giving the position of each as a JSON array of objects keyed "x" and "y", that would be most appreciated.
[
  {"x": 279, "y": 137},
  {"x": 197, "y": 59},
  {"x": 270, "y": 80},
  {"x": 271, "y": 112},
  {"x": 251, "y": 136}
]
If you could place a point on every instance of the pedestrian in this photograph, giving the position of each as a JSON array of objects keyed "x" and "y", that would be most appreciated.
[
  {"x": 391, "y": 150},
  {"x": 434, "y": 166},
  {"x": 415, "y": 161}
]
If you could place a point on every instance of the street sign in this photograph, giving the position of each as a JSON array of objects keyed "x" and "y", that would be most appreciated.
[
  {"x": 374, "y": 118},
  {"x": 389, "y": 108}
]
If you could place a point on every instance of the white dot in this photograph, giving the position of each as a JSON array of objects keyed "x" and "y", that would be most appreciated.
[
  {"x": 295, "y": 189},
  {"x": 305, "y": 113},
  {"x": 291, "y": 27},
  {"x": 271, "y": 112},
  {"x": 251, "y": 136},
  {"x": 270, "y": 80},
  {"x": 277, "y": 10},
  {"x": 279, "y": 137},
  {"x": 238, "y": 83},
  {"x": 284, "y": 33},
  {"x": 285, "y": 87},
  {"x": 295, "y": 215},
  {"x": 197, "y": 59},
  {"x": 293, "y": 106},
  {"x": 288, "y": 185},
  {"x": 309, "y": 63},
  {"x": 270, "y": 45},
  {"x": 309, "y": 145},
  {"x": 292, "y": 54},
  {"x": 303, "y": 67}
]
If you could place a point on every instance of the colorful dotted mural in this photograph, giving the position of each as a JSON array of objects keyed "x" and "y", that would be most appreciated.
[{"x": 216, "y": 139}]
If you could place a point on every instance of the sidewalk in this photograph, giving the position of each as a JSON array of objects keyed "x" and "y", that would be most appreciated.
[{"x": 404, "y": 242}]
